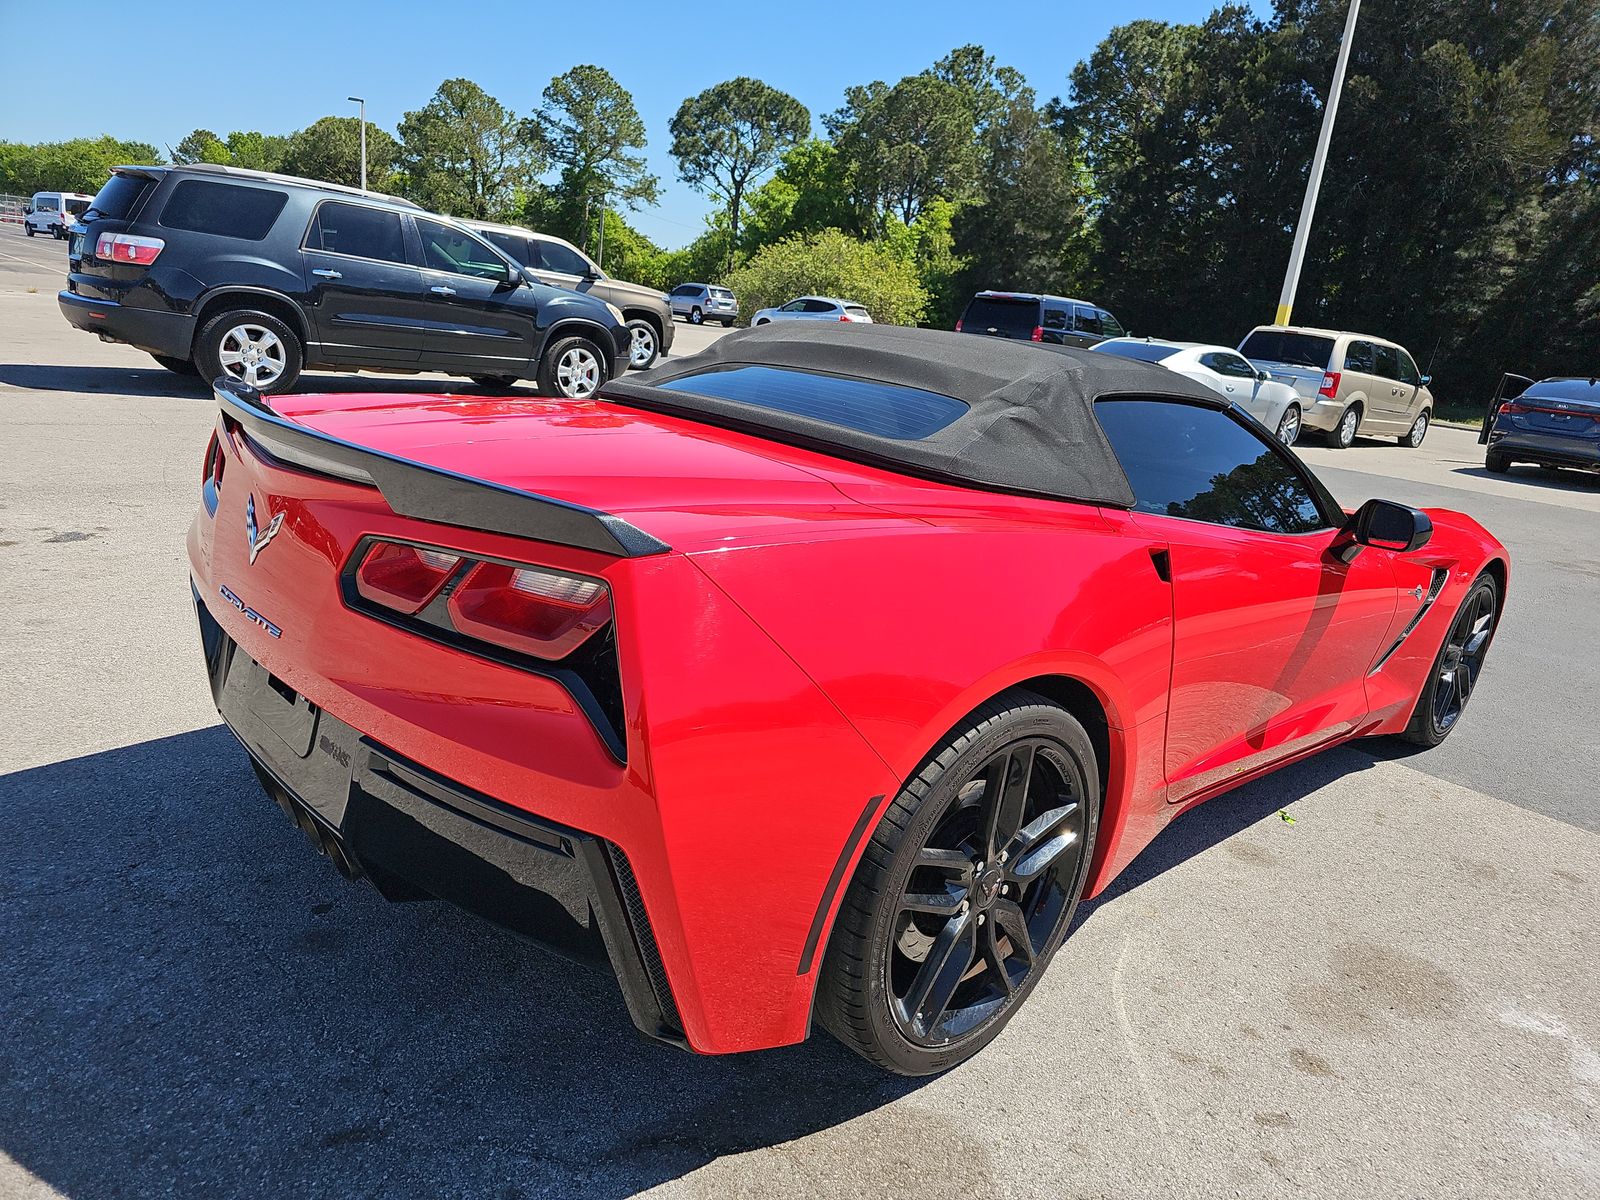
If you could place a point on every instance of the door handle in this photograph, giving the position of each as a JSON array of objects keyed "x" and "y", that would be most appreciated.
[
  {"x": 443, "y": 291},
  {"x": 327, "y": 273}
]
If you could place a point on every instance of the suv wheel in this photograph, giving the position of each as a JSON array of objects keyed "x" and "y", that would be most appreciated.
[
  {"x": 696, "y": 316},
  {"x": 251, "y": 346},
  {"x": 29, "y": 228},
  {"x": 1343, "y": 435},
  {"x": 644, "y": 344},
  {"x": 965, "y": 890},
  {"x": 572, "y": 368}
]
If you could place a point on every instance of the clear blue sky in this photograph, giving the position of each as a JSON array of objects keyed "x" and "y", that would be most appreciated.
[{"x": 153, "y": 71}]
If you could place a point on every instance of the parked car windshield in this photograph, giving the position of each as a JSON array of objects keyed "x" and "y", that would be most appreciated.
[
  {"x": 867, "y": 406},
  {"x": 1143, "y": 351},
  {"x": 1012, "y": 316},
  {"x": 1278, "y": 345}
]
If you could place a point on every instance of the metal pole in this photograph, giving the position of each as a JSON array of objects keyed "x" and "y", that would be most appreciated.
[
  {"x": 1302, "y": 233},
  {"x": 363, "y": 103},
  {"x": 600, "y": 257}
]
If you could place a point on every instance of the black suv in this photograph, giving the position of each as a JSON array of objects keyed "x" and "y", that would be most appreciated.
[
  {"x": 1029, "y": 316},
  {"x": 221, "y": 271}
]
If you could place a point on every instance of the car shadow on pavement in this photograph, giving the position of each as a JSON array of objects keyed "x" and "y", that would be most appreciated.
[
  {"x": 1564, "y": 480},
  {"x": 158, "y": 381},
  {"x": 196, "y": 1004}
]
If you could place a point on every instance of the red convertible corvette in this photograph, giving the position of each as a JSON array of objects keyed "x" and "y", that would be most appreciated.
[{"x": 819, "y": 674}]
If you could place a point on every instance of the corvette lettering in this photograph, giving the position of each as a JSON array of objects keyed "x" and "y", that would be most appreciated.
[{"x": 250, "y": 614}]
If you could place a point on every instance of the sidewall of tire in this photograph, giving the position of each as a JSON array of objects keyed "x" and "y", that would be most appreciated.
[
  {"x": 208, "y": 346},
  {"x": 547, "y": 365},
  {"x": 920, "y": 805},
  {"x": 1422, "y": 729}
]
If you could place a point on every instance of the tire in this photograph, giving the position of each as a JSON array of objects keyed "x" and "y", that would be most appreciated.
[
  {"x": 232, "y": 333},
  {"x": 566, "y": 360},
  {"x": 1496, "y": 464},
  {"x": 29, "y": 228},
  {"x": 1288, "y": 431},
  {"x": 642, "y": 334},
  {"x": 1457, "y": 667},
  {"x": 696, "y": 317},
  {"x": 1343, "y": 435},
  {"x": 872, "y": 969},
  {"x": 495, "y": 382},
  {"x": 178, "y": 366},
  {"x": 1418, "y": 431}
]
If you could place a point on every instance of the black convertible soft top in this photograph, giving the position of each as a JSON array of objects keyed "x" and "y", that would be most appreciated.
[{"x": 1028, "y": 425}]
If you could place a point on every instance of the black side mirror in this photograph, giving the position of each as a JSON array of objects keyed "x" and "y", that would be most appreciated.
[{"x": 1383, "y": 525}]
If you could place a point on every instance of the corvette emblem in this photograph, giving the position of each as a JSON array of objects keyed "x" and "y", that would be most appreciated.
[{"x": 258, "y": 540}]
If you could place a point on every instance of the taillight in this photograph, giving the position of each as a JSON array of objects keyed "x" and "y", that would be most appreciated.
[
  {"x": 1512, "y": 408},
  {"x": 128, "y": 248},
  {"x": 958, "y": 324},
  {"x": 1330, "y": 385},
  {"x": 1038, "y": 334},
  {"x": 534, "y": 610},
  {"x": 401, "y": 577},
  {"x": 210, "y": 462}
]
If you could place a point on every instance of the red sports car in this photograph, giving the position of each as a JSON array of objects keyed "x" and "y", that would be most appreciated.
[{"x": 819, "y": 674}]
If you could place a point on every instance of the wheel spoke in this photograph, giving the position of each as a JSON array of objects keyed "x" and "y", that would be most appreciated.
[
  {"x": 955, "y": 862},
  {"x": 936, "y": 982},
  {"x": 940, "y": 904},
  {"x": 1007, "y": 802},
  {"x": 1007, "y": 916},
  {"x": 994, "y": 959},
  {"x": 1039, "y": 844}
]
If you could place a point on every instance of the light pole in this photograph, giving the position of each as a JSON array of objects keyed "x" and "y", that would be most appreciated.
[
  {"x": 1302, "y": 232},
  {"x": 359, "y": 100}
]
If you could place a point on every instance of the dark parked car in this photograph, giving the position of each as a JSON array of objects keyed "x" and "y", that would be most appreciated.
[
  {"x": 1026, "y": 316},
  {"x": 1554, "y": 423},
  {"x": 254, "y": 276}
]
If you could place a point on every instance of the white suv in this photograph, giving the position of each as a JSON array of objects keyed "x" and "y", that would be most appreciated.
[
  {"x": 701, "y": 302},
  {"x": 55, "y": 212}
]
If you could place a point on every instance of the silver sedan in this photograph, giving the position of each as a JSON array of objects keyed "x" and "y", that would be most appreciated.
[
  {"x": 813, "y": 308},
  {"x": 1226, "y": 372}
]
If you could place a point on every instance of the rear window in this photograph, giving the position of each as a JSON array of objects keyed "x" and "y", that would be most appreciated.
[
  {"x": 121, "y": 197},
  {"x": 223, "y": 209},
  {"x": 77, "y": 207},
  {"x": 866, "y": 406},
  {"x": 859, "y": 313},
  {"x": 1143, "y": 351},
  {"x": 722, "y": 293},
  {"x": 1007, "y": 317},
  {"x": 1277, "y": 345}
]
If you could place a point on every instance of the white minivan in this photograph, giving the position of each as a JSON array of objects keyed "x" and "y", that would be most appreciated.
[{"x": 55, "y": 212}]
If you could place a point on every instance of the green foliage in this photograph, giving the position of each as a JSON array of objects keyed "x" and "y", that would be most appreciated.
[
  {"x": 330, "y": 150},
  {"x": 79, "y": 165},
  {"x": 265, "y": 151},
  {"x": 807, "y": 194},
  {"x": 466, "y": 154},
  {"x": 832, "y": 263},
  {"x": 732, "y": 134},
  {"x": 201, "y": 146}
]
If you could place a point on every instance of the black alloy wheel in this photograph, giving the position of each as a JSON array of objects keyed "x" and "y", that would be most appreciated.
[
  {"x": 966, "y": 889},
  {"x": 1458, "y": 667}
]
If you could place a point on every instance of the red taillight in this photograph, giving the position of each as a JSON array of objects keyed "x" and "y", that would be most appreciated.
[
  {"x": 1511, "y": 407},
  {"x": 403, "y": 578},
  {"x": 533, "y": 610},
  {"x": 958, "y": 324},
  {"x": 1038, "y": 334},
  {"x": 1330, "y": 385},
  {"x": 210, "y": 462},
  {"x": 128, "y": 248}
]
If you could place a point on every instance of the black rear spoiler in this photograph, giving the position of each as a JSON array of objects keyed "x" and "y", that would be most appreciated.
[{"x": 426, "y": 493}]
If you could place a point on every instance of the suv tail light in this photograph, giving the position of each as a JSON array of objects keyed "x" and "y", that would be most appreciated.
[
  {"x": 958, "y": 324},
  {"x": 534, "y": 610},
  {"x": 403, "y": 577},
  {"x": 128, "y": 248},
  {"x": 1330, "y": 385},
  {"x": 1038, "y": 334}
]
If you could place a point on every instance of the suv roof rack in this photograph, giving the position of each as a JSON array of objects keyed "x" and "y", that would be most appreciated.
[{"x": 274, "y": 177}]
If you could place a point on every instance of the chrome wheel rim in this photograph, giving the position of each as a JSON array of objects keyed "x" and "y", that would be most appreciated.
[
  {"x": 578, "y": 373},
  {"x": 1419, "y": 430},
  {"x": 254, "y": 354},
  {"x": 986, "y": 891},
  {"x": 643, "y": 348},
  {"x": 1347, "y": 427},
  {"x": 1461, "y": 661},
  {"x": 1289, "y": 427}
]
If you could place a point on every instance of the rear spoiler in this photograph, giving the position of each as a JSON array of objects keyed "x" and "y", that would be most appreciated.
[{"x": 426, "y": 493}]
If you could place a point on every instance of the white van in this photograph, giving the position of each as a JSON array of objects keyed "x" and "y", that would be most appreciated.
[{"x": 55, "y": 212}]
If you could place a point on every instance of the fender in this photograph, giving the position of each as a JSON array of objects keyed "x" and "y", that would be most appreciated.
[{"x": 208, "y": 298}]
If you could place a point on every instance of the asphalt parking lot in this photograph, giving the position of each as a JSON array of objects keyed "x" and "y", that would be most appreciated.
[{"x": 1393, "y": 994}]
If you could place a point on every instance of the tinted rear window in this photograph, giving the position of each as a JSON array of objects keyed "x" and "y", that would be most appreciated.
[
  {"x": 1143, "y": 351},
  {"x": 223, "y": 209},
  {"x": 121, "y": 196},
  {"x": 722, "y": 293},
  {"x": 1276, "y": 345},
  {"x": 77, "y": 207},
  {"x": 855, "y": 310},
  {"x": 881, "y": 409},
  {"x": 1007, "y": 318}
]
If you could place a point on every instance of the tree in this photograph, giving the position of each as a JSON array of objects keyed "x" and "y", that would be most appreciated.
[
  {"x": 806, "y": 194},
  {"x": 201, "y": 146},
  {"x": 905, "y": 145},
  {"x": 732, "y": 134},
  {"x": 466, "y": 154},
  {"x": 591, "y": 131},
  {"x": 831, "y": 263},
  {"x": 265, "y": 151},
  {"x": 79, "y": 165},
  {"x": 329, "y": 149}
]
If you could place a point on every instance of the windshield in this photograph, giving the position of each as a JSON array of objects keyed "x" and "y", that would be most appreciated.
[
  {"x": 1003, "y": 316},
  {"x": 1143, "y": 351},
  {"x": 1277, "y": 345}
]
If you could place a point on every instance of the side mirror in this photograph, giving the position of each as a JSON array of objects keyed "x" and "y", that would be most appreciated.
[
  {"x": 1426, "y": 380},
  {"x": 1263, "y": 375},
  {"x": 593, "y": 274},
  {"x": 1383, "y": 525}
]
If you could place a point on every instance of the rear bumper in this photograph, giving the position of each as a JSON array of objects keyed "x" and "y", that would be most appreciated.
[
  {"x": 415, "y": 834},
  {"x": 1549, "y": 450},
  {"x": 166, "y": 333},
  {"x": 1321, "y": 415}
]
